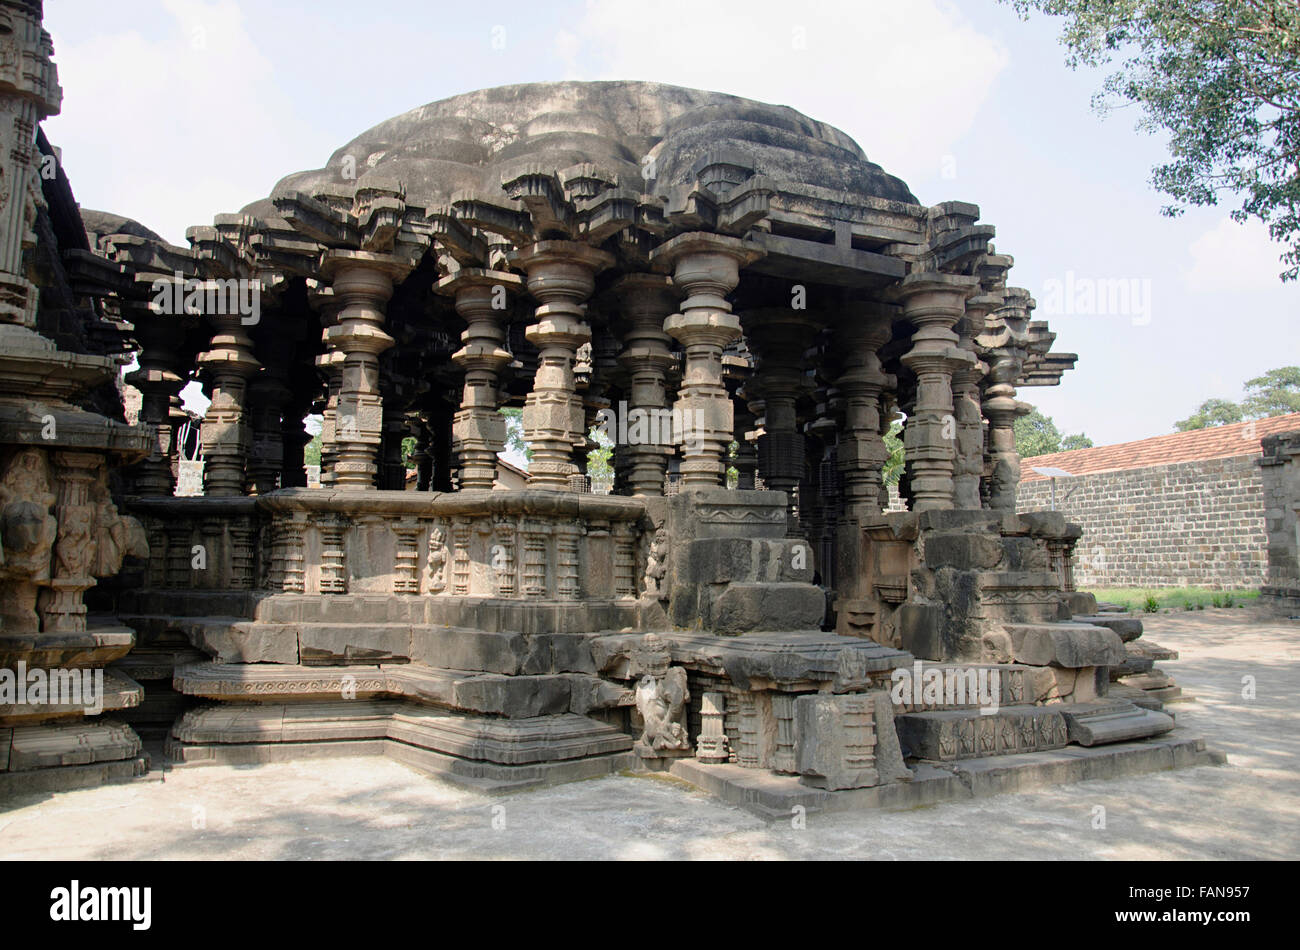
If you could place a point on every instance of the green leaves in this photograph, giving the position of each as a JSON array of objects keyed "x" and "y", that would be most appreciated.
[{"x": 1221, "y": 78}]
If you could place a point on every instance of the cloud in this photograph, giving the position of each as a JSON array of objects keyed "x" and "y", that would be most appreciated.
[
  {"x": 171, "y": 126},
  {"x": 1236, "y": 257},
  {"x": 905, "y": 80}
]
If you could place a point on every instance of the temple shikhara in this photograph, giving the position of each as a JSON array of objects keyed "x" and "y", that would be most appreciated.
[{"x": 730, "y": 290}]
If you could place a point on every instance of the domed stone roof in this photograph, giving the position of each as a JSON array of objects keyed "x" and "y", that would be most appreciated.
[{"x": 472, "y": 142}]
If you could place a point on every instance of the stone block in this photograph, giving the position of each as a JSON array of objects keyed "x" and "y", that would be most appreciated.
[
  {"x": 1070, "y": 645},
  {"x": 920, "y": 630},
  {"x": 1113, "y": 721},
  {"x": 741, "y": 608},
  {"x": 835, "y": 740}
]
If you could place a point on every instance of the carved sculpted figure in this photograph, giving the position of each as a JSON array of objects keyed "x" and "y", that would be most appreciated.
[
  {"x": 435, "y": 564},
  {"x": 661, "y": 697},
  {"x": 661, "y": 702},
  {"x": 657, "y": 566},
  {"x": 29, "y": 529},
  {"x": 116, "y": 535}
]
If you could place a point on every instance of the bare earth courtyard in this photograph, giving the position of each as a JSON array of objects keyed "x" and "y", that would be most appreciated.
[{"x": 375, "y": 808}]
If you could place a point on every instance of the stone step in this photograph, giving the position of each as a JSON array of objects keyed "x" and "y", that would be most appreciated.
[
  {"x": 1152, "y": 651},
  {"x": 1137, "y": 697},
  {"x": 1113, "y": 720},
  {"x": 515, "y": 697},
  {"x": 1070, "y": 645},
  {"x": 120, "y": 692},
  {"x": 946, "y": 736},
  {"x": 55, "y": 745},
  {"x": 488, "y": 753},
  {"x": 325, "y": 643},
  {"x": 1128, "y": 628}
]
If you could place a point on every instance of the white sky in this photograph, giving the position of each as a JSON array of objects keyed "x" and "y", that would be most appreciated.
[{"x": 176, "y": 110}]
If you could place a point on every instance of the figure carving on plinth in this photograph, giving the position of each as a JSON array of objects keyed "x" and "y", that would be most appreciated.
[
  {"x": 117, "y": 536},
  {"x": 657, "y": 566},
  {"x": 661, "y": 703},
  {"x": 27, "y": 534},
  {"x": 661, "y": 697},
  {"x": 435, "y": 564}
]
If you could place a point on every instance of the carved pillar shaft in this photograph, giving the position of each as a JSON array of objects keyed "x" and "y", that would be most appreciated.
[
  {"x": 933, "y": 303},
  {"x": 561, "y": 275},
  {"x": 706, "y": 267},
  {"x": 363, "y": 283},
  {"x": 478, "y": 428},
  {"x": 160, "y": 336},
  {"x": 647, "y": 299},
  {"x": 862, "y": 451},
  {"x": 225, "y": 430},
  {"x": 968, "y": 461}
]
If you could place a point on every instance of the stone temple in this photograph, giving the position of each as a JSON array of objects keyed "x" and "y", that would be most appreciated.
[{"x": 730, "y": 289}]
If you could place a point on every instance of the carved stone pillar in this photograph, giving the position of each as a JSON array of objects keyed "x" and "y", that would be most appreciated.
[
  {"x": 561, "y": 275},
  {"x": 1002, "y": 410},
  {"x": 160, "y": 336},
  {"x": 647, "y": 301},
  {"x": 268, "y": 396},
  {"x": 29, "y": 91},
  {"x": 706, "y": 267},
  {"x": 968, "y": 463},
  {"x": 363, "y": 283},
  {"x": 746, "y": 460},
  {"x": 863, "y": 330},
  {"x": 1003, "y": 343},
  {"x": 479, "y": 429},
  {"x": 779, "y": 337},
  {"x": 933, "y": 303},
  {"x": 330, "y": 367},
  {"x": 229, "y": 362}
]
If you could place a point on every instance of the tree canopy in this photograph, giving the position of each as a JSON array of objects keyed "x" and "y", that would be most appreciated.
[
  {"x": 1221, "y": 78},
  {"x": 1276, "y": 393},
  {"x": 1037, "y": 434}
]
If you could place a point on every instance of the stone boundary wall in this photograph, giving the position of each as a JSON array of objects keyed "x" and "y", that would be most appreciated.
[{"x": 1198, "y": 523}]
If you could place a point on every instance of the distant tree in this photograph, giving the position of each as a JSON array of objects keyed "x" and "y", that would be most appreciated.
[
  {"x": 1212, "y": 412},
  {"x": 1276, "y": 393},
  {"x": 598, "y": 459},
  {"x": 1220, "y": 79},
  {"x": 1071, "y": 442},
  {"x": 408, "y": 452},
  {"x": 515, "y": 441},
  {"x": 893, "y": 469},
  {"x": 1036, "y": 434},
  {"x": 311, "y": 451}
]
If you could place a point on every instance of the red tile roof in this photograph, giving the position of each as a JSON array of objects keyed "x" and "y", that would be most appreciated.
[{"x": 1239, "y": 438}]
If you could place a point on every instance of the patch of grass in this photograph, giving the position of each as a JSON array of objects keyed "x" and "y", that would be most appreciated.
[
  {"x": 1173, "y": 598},
  {"x": 1151, "y": 604}
]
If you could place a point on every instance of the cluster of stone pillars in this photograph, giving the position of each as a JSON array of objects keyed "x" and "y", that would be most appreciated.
[{"x": 964, "y": 355}]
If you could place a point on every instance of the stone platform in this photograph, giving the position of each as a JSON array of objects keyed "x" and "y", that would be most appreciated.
[{"x": 777, "y": 796}]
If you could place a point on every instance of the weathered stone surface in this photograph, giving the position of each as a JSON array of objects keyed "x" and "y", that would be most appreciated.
[
  {"x": 959, "y": 734},
  {"x": 1065, "y": 644},
  {"x": 1128, "y": 628},
  {"x": 51, "y": 746},
  {"x": 1113, "y": 721}
]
